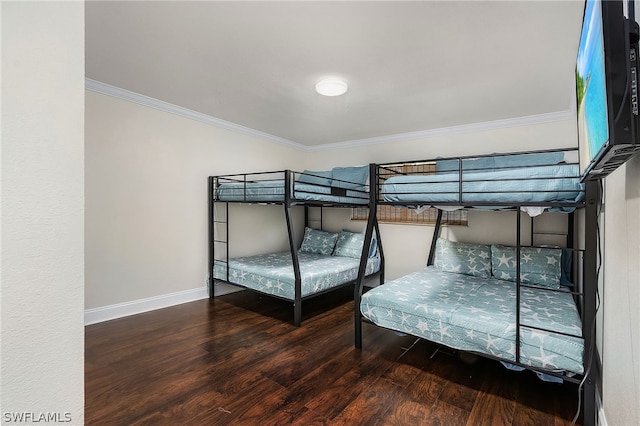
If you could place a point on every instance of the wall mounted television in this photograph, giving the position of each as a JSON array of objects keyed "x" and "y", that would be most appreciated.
[{"x": 607, "y": 88}]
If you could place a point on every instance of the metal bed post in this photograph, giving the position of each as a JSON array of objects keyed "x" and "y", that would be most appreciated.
[
  {"x": 211, "y": 229},
  {"x": 226, "y": 225},
  {"x": 518, "y": 282},
  {"x": 306, "y": 215},
  {"x": 570, "y": 229},
  {"x": 380, "y": 250},
  {"x": 211, "y": 200},
  {"x": 297, "y": 302},
  {"x": 590, "y": 288},
  {"x": 436, "y": 234},
  {"x": 372, "y": 223},
  {"x": 533, "y": 219}
]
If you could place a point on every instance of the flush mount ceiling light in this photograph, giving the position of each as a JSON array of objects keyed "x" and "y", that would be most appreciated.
[{"x": 331, "y": 87}]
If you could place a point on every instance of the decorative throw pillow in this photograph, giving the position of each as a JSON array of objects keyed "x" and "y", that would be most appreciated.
[
  {"x": 538, "y": 266},
  {"x": 463, "y": 258},
  {"x": 350, "y": 177},
  {"x": 349, "y": 244},
  {"x": 319, "y": 242},
  {"x": 373, "y": 248},
  {"x": 322, "y": 177}
]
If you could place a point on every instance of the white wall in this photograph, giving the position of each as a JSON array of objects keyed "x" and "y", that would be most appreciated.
[
  {"x": 42, "y": 212},
  {"x": 506, "y": 137},
  {"x": 146, "y": 205},
  {"x": 408, "y": 245},
  {"x": 620, "y": 350}
]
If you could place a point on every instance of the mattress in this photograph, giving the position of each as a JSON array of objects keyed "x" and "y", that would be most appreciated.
[
  {"x": 558, "y": 183},
  {"x": 273, "y": 191},
  {"x": 273, "y": 273},
  {"x": 478, "y": 315}
]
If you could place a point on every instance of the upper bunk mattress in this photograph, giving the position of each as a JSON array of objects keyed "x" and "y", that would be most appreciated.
[
  {"x": 478, "y": 315},
  {"x": 273, "y": 273},
  {"x": 273, "y": 191},
  {"x": 557, "y": 184}
]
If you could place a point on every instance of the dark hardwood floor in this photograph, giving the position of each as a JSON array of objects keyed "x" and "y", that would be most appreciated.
[{"x": 240, "y": 361}]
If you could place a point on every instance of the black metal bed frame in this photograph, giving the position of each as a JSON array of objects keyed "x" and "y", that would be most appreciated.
[
  {"x": 288, "y": 201},
  {"x": 586, "y": 295}
]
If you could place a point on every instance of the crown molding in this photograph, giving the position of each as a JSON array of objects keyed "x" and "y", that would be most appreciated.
[
  {"x": 127, "y": 95},
  {"x": 454, "y": 130},
  {"x": 117, "y": 92}
]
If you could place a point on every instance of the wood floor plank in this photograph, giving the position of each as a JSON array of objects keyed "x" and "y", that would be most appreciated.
[
  {"x": 370, "y": 406},
  {"x": 238, "y": 360},
  {"x": 492, "y": 405},
  {"x": 462, "y": 386},
  {"x": 407, "y": 412}
]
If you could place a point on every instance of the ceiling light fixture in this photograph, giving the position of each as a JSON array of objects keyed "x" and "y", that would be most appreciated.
[{"x": 331, "y": 87}]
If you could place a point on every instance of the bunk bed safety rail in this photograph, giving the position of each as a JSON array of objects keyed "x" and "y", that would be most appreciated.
[
  {"x": 341, "y": 186},
  {"x": 542, "y": 178}
]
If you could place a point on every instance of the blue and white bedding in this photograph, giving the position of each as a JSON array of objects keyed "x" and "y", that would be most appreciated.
[
  {"x": 273, "y": 191},
  {"x": 478, "y": 315},
  {"x": 340, "y": 185},
  {"x": 556, "y": 183},
  {"x": 273, "y": 273}
]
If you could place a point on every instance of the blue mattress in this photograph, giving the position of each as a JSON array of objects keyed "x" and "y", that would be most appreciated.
[
  {"x": 478, "y": 315},
  {"x": 273, "y": 273},
  {"x": 273, "y": 191},
  {"x": 557, "y": 183}
]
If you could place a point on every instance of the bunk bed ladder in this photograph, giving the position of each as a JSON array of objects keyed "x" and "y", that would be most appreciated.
[
  {"x": 588, "y": 294},
  {"x": 214, "y": 240}
]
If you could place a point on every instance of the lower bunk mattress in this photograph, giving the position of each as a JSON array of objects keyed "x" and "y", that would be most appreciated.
[
  {"x": 273, "y": 273},
  {"x": 478, "y": 315}
]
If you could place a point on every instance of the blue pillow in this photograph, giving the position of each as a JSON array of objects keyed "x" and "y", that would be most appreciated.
[
  {"x": 373, "y": 248},
  {"x": 534, "y": 159},
  {"x": 468, "y": 164},
  {"x": 322, "y": 177},
  {"x": 319, "y": 242},
  {"x": 493, "y": 162},
  {"x": 538, "y": 266},
  {"x": 565, "y": 272},
  {"x": 463, "y": 258},
  {"x": 350, "y": 177},
  {"x": 349, "y": 244}
]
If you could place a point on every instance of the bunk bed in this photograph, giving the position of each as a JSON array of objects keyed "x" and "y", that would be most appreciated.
[
  {"x": 325, "y": 261},
  {"x": 529, "y": 307}
]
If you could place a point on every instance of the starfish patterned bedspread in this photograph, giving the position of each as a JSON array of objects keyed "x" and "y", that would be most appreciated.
[
  {"x": 478, "y": 315},
  {"x": 273, "y": 273}
]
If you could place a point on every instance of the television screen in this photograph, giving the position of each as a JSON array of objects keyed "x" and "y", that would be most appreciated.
[
  {"x": 606, "y": 89},
  {"x": 593, "y": 127}
]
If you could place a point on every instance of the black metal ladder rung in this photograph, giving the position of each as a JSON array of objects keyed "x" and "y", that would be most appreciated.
[
  {"x": 214, "y": 221},
  {"x": 533, "y": 327}
]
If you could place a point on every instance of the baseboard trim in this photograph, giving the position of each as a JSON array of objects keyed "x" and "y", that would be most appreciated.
[
  {"x": 106, "y": 313},
  {"x": 602, "y": 420}
]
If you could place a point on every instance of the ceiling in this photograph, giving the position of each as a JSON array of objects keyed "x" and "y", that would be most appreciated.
[{"x": 411, "y": 66}]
